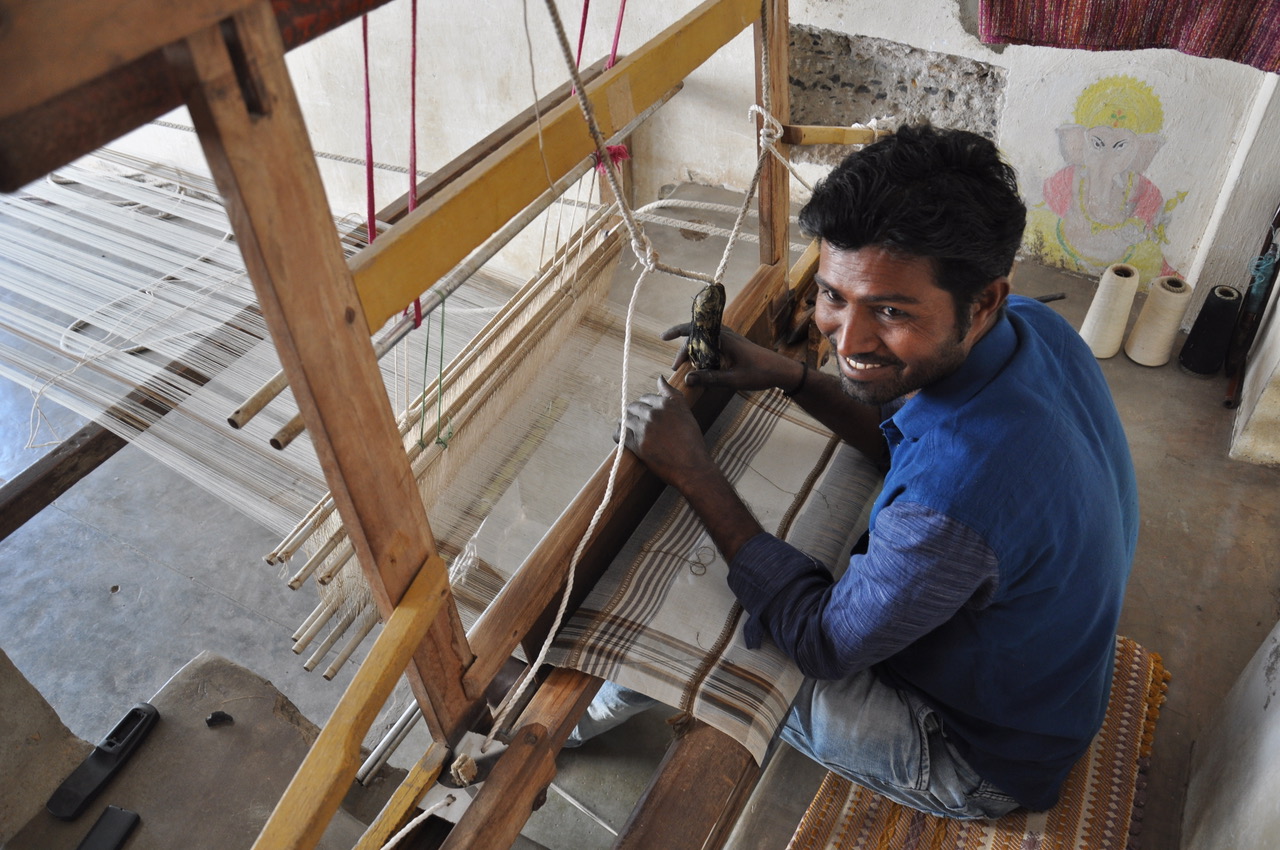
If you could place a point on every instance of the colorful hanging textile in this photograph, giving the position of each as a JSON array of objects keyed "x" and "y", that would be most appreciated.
[{"x": 1246, "y": 31}]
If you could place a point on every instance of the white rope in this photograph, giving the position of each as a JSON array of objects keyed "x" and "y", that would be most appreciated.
[
  {"x": 413, "y": 824},
  {"x": 644, "y": 251},
  {"x": 770, "y": 135}
]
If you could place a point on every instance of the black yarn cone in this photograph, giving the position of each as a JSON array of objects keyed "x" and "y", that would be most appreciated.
[{"x": 1206, "y": 345}]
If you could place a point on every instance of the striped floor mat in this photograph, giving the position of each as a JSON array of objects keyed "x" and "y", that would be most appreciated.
[{"x": 1096, "y": 811}]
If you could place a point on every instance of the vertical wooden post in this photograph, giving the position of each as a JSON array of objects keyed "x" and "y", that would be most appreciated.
[
  {"x": 775, "y": 190},
  {"x": 241, "y": 99}
]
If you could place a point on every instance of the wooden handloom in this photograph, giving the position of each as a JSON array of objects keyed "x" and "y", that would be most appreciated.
[{"x": 81, "y": 72}]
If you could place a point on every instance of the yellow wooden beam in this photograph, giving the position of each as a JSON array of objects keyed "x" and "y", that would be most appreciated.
[
  {"x": 317, "y": 789},
  {"x": 395, "y": 814},
  {"x": 809, "y": 134},
  {"x": 74, "y": 41},
  {"x": 440, "y": 233}
]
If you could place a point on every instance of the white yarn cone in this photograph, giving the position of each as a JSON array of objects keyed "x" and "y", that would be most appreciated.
[
  {"x": 1108, "y": 315},
  {"x": 1150, "y": 343}
]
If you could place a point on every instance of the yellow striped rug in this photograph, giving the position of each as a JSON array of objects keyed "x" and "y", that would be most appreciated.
[{"x": 1096, "y": 810}]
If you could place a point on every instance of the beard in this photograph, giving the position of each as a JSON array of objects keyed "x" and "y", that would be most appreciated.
[{"x": 907, "y": 379}]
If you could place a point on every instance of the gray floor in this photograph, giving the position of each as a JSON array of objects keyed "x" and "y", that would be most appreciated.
[{"x": 134, "y": 572}]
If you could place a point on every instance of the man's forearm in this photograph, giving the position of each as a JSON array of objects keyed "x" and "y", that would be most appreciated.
[
  {"x": 825, "y": 400},
  {"x": 727, "y": 518}
]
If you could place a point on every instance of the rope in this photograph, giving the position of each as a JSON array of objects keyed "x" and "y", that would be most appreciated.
[{"x": 643, "y": 250}]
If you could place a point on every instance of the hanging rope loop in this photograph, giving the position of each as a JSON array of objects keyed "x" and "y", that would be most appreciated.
[{"x": 770, "y": 128}]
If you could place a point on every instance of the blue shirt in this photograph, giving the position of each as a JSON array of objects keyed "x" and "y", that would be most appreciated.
[{"x": 998, "y": 554}]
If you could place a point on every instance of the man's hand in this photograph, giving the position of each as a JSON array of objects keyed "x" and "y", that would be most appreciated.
[
  {"x": 662, "y": 432},
  {"x": 743, "y": 364}
]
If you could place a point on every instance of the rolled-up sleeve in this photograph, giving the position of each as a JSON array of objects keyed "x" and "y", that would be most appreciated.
[{"x": 920, "y": 568}]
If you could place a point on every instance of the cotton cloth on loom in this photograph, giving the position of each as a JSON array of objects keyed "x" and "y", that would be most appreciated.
[
  {"x": 1246, "y": 31},
  {"x": 114, "y": 269},
  {"x": 663, "y": 620}
]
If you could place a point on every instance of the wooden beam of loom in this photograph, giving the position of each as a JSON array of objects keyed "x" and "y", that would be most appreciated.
[
  {"x": 75, "y": 121},
  {"x": 251, "y": 128},
  {"x": 774, "y": 189},
  {"x": 439, "y": 234},
  {"x": 810, "y": 134},
  {"x": 326, "y": 773}
]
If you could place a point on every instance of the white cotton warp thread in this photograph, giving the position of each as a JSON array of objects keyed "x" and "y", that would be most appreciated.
[
  {"x": 1108, "y": 315},
  {"x": 1150, "y": 343}
]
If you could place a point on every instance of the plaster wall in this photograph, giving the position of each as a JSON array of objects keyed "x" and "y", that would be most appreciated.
[
  {"x": 477, "y": 70},
  {"x": 1231, "y": 796}
]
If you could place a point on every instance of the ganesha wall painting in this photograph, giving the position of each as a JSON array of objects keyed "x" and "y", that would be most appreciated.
[{"x": 1100, "y": 208}]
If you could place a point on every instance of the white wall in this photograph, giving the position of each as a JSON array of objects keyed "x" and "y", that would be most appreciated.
[
  {"x": 474, "y": 73},
  {"x": 1232, "y": 801}
]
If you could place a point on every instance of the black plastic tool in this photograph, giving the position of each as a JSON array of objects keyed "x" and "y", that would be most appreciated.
[
  {"x": 110, "y": 829},
  {"x": 78, "y": 790}
]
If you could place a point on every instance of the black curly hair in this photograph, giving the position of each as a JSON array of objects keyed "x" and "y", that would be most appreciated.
[{"x": 945, "y": 195}]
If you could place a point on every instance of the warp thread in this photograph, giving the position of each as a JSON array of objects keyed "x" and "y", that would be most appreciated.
[
  {"x": 1206, "y": 347},
  {"x": 1104, "y": 324},
  {"x": 1150, "y": 343}
]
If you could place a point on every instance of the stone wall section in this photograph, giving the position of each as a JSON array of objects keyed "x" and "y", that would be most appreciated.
[{"x": 839, "y": 79}]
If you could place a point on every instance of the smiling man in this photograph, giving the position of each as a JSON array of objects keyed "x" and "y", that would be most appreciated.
[{"x": 962, "y": 661}]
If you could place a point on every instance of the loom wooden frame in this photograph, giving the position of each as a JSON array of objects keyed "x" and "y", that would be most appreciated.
[{"x": 224, "y": 58}]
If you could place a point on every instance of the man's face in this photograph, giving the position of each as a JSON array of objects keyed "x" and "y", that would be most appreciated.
[{"x": 893, "y": 329}]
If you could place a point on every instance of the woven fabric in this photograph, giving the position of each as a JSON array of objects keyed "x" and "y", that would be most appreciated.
[
  {"x": 663, "y": 621},
  {"x": 1096, "y": 811},
  {"x": 1246, "y": 31}
]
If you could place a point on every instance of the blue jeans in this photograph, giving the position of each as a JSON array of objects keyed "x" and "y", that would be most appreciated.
[{"x": 875, "y": 735}]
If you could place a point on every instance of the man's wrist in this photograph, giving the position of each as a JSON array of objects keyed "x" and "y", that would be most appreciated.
[{"x": 798, "y": 386}]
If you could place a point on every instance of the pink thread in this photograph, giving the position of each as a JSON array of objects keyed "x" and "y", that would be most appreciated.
[
  {"x": 617, "y": 154},
  {"x": 413, "y": 107},
  {"x": 617, "y": 34},
  {"x": 368, "y": 137},
  {"x": 413, "y": 132},
  {"x": 582, "y": 30}
]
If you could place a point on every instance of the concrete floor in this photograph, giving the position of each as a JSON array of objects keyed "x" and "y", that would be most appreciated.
[{"x": 134, "y": 571}]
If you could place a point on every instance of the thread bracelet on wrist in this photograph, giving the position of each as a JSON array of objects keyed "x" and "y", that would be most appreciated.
[{"x": 804, "y": 377}]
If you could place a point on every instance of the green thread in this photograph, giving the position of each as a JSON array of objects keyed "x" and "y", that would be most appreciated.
[{"x": 441, "y": 440}]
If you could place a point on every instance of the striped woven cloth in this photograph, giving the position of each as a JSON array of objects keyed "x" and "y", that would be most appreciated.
[
  {"x": 1095, "y": 812},
  {"x": 663, "y": 621},
  {"x": 1246, "y": 31}
]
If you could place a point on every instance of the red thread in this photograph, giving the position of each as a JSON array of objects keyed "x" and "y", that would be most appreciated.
[
  {"x": 582, "y": 30},
  {"x": 617, "y": 154},
  {"x": 617, "y": 34},
  {"x": 413, "y": 110}
]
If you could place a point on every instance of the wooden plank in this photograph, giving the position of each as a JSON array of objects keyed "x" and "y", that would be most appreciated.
[
  {"x": 395, "y": 814},
  {"x": 76, "y": 121},
  {"x": 439, "y": 234},
  {"x": 775, "y": 188},
  {"x": 33, "y": 489},
  {"x": 73, "y": 41},
  {"x": 317, "y": 789},
  {"x": 707, "y": 777},
  {"x": 254, "y": 138},
  {"x": 809, "y": 134},
  {"x": 521, "y": 776}
]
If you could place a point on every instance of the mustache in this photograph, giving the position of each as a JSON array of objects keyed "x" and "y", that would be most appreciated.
[{"x": 875, "y": 360}]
